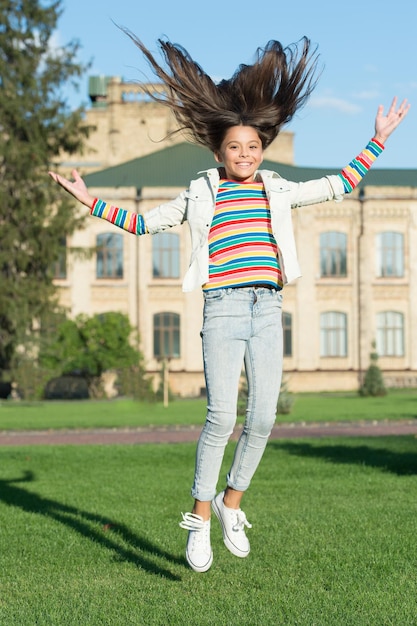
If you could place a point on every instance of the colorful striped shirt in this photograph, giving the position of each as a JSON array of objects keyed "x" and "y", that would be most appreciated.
[
  {"x": 353, "y": 173},
  {"x": 242, "y": 248},
  {"x": 132, "y": 222}
]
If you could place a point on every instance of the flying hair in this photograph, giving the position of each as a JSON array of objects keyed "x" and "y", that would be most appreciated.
[{"x": 265, "y": 95}]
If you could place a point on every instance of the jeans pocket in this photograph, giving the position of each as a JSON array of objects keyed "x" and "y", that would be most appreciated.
[{"x": 214, "y": 294}]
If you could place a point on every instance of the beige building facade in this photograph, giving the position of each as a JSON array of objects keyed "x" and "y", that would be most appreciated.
[{"x": 358, "y": 257}]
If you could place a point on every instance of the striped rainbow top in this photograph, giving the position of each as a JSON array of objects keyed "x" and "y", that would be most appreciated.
[
  {"x": 353, "y": 173},
  {"x": 132, "y": 222},
  {"x": 242, "y": 248}
]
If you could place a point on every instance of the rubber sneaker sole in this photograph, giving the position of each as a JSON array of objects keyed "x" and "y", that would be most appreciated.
[{"x": 199, "y": 568}]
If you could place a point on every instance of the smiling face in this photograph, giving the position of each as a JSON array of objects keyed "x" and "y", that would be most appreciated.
[{"x": 241, "y": 153}]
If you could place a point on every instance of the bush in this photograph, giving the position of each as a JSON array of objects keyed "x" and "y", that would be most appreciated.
[
  {"x": 92, "y": 346},
  {"x": 132, "y": 382},
  {"x": 285, "y": 400},
  {"x": 373, "y": 384},
  {"x": 30, "y": 378}
]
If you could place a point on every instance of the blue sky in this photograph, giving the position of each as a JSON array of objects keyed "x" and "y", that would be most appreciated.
[{"x": 367, "y": 50}]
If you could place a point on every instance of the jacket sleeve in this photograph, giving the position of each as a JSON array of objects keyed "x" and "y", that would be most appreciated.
[
  {"x": 167, "y": 215},
  {"x": 316, "y": 191}
]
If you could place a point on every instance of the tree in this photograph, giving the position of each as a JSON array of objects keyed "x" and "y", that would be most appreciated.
[
  {"x": 285, "y": 400},
  {"x": 373, "y": 384},
  {"x": 36, "y": 125},
  {"x": 90, "y": 346}
]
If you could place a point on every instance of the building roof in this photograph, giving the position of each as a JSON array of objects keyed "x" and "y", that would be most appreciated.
[{"x": 177, "y": 165}]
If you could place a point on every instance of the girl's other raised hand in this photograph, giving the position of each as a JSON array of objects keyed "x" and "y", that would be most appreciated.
[{"x": 385, "y": 124}]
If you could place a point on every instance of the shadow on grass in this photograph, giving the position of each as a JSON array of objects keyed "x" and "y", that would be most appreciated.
[
  {"x": 402, "y": 463},
  {"x": 106, "y": 532}
]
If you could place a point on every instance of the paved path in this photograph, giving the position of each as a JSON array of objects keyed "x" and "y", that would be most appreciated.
[{"x": 190, "y": 434}]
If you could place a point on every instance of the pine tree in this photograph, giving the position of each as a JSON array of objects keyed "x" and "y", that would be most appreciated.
[
  {"x": 36, "y": 125},
  {"x": 373, "y": 384}
]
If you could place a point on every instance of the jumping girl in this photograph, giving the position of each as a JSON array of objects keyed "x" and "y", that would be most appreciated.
[{"x": 243, "y": 252}]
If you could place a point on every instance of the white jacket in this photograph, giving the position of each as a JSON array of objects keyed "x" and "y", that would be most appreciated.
[{"x": 196, "y": 205}]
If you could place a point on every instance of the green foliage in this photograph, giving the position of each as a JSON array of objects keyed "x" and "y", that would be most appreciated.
[
  {"x": 91, "y": 346},
  {"x": 133, "y": 382},
  {"x": 30, "y": 379},
  {"x": 36, "y": 126},
  {"x": 373, "y": 384},
  {"x": 285, "y": 400}
]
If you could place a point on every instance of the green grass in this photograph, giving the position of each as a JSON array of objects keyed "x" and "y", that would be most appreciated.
[
  {"x": 89, "y": 536},
  {"x": 327, "y": 407}
]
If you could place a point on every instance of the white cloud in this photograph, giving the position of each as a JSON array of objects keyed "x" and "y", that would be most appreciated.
[
  {"x": 335, "y": 104},
  {"x": 371, "y": 94}
]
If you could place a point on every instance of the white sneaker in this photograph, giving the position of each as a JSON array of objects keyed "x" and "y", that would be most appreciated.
[
  {"x": 198, "y": 552},
  {"x": 233, "y": 523}
]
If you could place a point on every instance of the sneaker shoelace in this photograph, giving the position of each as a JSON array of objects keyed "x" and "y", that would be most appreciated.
[
  {"x": 241, "y": 521},
  {"x": 200, "y": 530},
  {"x": 190, "y": 521}
]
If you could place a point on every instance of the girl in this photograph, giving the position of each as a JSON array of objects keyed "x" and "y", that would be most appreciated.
[{"x": 243, "y": 252}]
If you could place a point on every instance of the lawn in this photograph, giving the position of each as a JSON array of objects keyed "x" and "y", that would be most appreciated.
[
  {"x": 327, "y": 407},
  {"x": 89, "y": 536}
]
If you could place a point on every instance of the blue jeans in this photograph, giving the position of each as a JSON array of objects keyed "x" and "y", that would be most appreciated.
[{"x": 240, "y": 326}]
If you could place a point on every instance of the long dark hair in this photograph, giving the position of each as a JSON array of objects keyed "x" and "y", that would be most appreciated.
[{"x": 264, "y": 95}]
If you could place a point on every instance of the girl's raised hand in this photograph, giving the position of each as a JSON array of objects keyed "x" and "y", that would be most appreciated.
[
  {"x": 385, "y": 124},
  {"x": 76, "y": 188}
]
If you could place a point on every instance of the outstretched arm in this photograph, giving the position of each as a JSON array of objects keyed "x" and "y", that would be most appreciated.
[
  {"x": 353, "y": 173},
  {"x": 76, "y": 188},
  {"x": 163, "y": 216}
]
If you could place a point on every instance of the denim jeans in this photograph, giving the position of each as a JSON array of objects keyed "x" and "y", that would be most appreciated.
[{"x": 240, "y": 326}]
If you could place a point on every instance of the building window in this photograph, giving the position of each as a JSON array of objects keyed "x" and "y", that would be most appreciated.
[
  {"x": 287, "y": 332},
  {"x": 390, "y": 255},
  {"x": 390, "y": 334},
  {"x": 333, "y": 254},
  {"x": 109, "y": 255},
  {"x": 166, "y": 255},
  {"x": 166, "y": 335},
  {"x": 333, "y": 334},
  {"x": 60, "y": 266}
]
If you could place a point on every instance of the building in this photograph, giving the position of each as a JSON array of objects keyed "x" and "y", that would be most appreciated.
[{"x": 358, "y": 257}]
